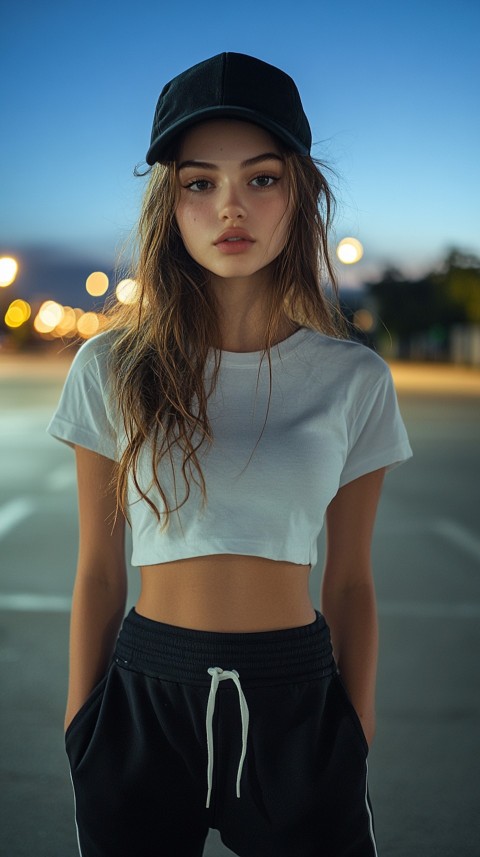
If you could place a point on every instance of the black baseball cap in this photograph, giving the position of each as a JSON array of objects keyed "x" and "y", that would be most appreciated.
[{"x": 233, "y": 85}]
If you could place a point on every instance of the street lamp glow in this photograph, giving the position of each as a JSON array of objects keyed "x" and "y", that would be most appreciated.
[
  {"x": 364, "y": 320},
  {"x": 8, "y": 270},
  {"x": 50, "y": 314},
  {"x": 67, "y": 326},
  {"x": 88, "y": 324},
  {"x": 349, "y": 251},
  {"x": 127, "y": 291},
  {"x": 97, "y": 283},
  {"x": 17, "y": 313}
]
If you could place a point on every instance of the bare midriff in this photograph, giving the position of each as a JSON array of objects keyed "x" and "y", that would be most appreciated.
[{"x": 227, "y": 593}]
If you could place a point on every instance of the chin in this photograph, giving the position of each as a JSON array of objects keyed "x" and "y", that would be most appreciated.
[{"x": 237, "y": 268}]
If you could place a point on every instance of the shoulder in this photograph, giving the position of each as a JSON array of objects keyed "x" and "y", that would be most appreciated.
[
  {"x": 347, "y": 360},
  {"x": 93, "y": 355},
  {"x": 91, "y": 372},
  {"x": 96, "y": 348}
]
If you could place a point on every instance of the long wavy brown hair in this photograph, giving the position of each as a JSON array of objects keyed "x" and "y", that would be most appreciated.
[{"x": 158, "y": 354}]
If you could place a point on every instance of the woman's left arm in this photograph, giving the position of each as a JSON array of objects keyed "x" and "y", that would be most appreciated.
[{"x": 348, "y": 592}]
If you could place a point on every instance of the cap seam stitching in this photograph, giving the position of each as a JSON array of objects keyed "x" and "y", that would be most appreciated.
[{"x": 224, "y": 74}]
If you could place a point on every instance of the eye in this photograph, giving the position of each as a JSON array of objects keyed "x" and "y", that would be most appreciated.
[
  {"x": 265, "y": 181},
  {"x": 198, "y": 185}
]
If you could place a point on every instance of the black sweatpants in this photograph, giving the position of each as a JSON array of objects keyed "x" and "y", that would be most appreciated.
[{"x": 249, "y": 733}]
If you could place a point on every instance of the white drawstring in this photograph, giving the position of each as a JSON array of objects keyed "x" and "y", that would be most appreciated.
[{"x": 219, "y": 675}]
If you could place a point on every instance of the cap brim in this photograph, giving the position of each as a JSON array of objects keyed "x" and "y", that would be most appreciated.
[{"x": 160, "y": 150}]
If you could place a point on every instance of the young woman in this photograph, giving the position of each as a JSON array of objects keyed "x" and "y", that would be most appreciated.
[{"x": 224, "y": 415}]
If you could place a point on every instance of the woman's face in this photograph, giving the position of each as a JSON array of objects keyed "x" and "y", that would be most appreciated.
[{"x": 233, "y": 197}]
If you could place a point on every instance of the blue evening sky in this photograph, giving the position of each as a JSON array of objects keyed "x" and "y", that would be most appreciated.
[{"x": 390, "y": 88}]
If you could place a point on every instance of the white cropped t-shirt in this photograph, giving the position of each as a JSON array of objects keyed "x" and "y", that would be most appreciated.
[{"x": 333, "y": 417}]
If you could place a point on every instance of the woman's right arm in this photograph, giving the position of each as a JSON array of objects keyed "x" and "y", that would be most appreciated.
[{"x": 100, "y": 591}]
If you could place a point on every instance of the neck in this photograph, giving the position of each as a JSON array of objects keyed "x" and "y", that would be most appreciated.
[{"x": 242, "y": 306}]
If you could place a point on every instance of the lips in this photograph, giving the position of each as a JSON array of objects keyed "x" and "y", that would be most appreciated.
[{"x": 231, "y": 236}]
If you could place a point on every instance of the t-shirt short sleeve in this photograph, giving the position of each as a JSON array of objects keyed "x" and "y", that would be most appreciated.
[
  {"x": 377, "y": 435},
  {"x": 83, "y": 415}
]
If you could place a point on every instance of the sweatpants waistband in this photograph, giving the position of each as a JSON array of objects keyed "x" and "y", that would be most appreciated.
[{"x": 264, "y": 657}]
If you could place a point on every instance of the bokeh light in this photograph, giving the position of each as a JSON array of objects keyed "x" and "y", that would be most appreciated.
[
  {"x": 68, "y": 324},
  {"x": 48, "y": 317},
  {"x": 127, "y": 291},
  {"x": 349, "y": 251},
  {"x": 8, "y": 270},
  {"x": 97, "y": 283},
  {"x": 17, "y": 313},
  {"x": 88, "y": 324},
  {"x": 364, "y": 320}
]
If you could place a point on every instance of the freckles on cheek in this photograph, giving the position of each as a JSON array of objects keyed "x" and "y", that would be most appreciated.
[
  {"x": 184, "y": 219},
  {"x": 189, "y": 216}
]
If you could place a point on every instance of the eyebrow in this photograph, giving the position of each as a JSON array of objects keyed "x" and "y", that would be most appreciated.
[{"x": 267, "y": 156}]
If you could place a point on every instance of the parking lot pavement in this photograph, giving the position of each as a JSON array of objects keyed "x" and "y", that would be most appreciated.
[{"x": 424, "y": 764}]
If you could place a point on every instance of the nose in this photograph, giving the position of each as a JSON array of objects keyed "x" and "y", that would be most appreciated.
[{"x": 231, "y": 205}]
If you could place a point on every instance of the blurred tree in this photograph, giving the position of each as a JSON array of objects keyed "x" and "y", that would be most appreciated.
[
  {"x": 460, "y": 274},
  {"x": 431, "y": 305}
]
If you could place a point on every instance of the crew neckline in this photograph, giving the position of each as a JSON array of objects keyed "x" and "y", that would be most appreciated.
[{"x": 252, "y": 358}]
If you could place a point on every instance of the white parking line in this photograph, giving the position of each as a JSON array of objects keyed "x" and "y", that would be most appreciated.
[
  {"x": 16, "y": 510},
  {"x": 458, "y": 535},
  {"x": 13, "y": 512},
  {"x": 429, "y": 609},
  {"x": 29, "y": 601}
]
